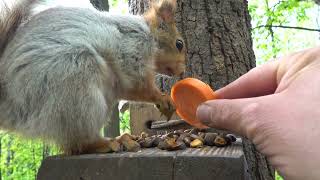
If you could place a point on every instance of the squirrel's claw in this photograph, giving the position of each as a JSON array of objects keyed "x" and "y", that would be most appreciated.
[{"x": 166, "y": 107}]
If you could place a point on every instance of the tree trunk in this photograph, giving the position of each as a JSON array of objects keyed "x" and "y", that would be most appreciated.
[
  {"x": 101, "y": 4},
  {"x": 113, "y": 127},
  {"x": 317, "y": 2},
  {"x": 218, "y": 39},
  {"x": 1, "y": 136},
  {"x": 45, "y": 151}
]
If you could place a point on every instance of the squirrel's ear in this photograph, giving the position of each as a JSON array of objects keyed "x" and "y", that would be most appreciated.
[{"x": 166, "y": 10}]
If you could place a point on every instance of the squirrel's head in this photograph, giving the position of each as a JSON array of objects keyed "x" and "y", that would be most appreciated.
[{"x": 171, "y": 51}]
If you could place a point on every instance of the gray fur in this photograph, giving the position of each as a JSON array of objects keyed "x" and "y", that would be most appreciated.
[{"x": 66, "y": 67}]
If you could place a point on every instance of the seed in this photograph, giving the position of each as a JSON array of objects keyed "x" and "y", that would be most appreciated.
[
  {"x": 202, "y": 134},
  {"x": 144, "y": 135},
  {"x": 193, "y": 137},
  {"x": 156, "y": 141},
  {"x": 178, "y": 132},
  {"x": 231, "y": 137},
  {"x": 181, "y": 145},
  {"x": 182, "y": 136},
  {"x": 187, "y": 141},
  {"x": 196, "y": 143},
  {"x": 147, "y": 142},
  {"x": 194, "y": 131},
  {"x": 220, "y": 141},
  {"x": 170, "y": 135},
  {"x": 209, "y": 138}
]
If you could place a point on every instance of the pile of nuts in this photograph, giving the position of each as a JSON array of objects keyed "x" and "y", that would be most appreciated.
[{"x": 177, "y": 140}]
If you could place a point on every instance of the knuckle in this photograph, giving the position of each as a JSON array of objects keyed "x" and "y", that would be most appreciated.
[
  {"x": 229, "y": 115},
  {"x": 250, "y": 111},
  {"x": 250, "y": 116},
  {"x": 220, "y": 115}
]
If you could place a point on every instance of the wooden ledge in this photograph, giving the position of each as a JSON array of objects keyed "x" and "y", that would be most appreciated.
[{"x": 207, "y": 163}]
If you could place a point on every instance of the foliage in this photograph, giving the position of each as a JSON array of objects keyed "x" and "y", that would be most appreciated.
[
  {"x": 125, "y": 122},
  {"x": 119, "y": 6},
  {"x": 20, "y": 158},
  {"x": 269, "y": 41},
  {"x": 278, "y": 177}
]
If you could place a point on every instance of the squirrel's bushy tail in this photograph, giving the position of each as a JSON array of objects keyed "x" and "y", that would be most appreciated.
[{"x": 11, "y": 18}]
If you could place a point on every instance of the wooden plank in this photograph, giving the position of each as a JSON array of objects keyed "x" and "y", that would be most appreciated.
[
  {"x": 167, "y": 124},
  {"x": 228, "y": 164},
  {"x": 140, "y": 116},
  {"x": 145, "y": 165},
  {"x": 150, "y": 164},
  {"x": 113, "y": 127}
]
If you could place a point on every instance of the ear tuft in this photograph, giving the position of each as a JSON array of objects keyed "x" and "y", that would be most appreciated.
[{"x": 166, "y": 10}]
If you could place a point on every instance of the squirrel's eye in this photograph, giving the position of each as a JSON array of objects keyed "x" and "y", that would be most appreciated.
[{"x": 179, "y": 44}]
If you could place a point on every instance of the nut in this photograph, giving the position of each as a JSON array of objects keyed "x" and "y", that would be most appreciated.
[
  {"x": 187, "y": 140},
  {"x": 209, "y": 138},
  {"x": 178, "y": 132},
  {"x": 147, "y": 142},
  {"x": 220, "y": 141},
  {"x": 182, "y": 136},
  {"x": 181, "y": 145},
  {"x": 202, "y": 134},
  {"x": 193, "y": 137},
  {"x": 176, "y": 140},
  {"x": 196, "y": 143},
  {"x": 170, "y": 135},
  {"x": 134, "y": 137},
  {"x": 162, "y": 145},
  {"x": 128, "y": 143},
  {"x": 156, "y": 141},
  {"x": 144, "y": 135},
  {"x": 194, "y": 131},
  {"x": 170, "y": 144},
  {"x": 232, "y": 138}
]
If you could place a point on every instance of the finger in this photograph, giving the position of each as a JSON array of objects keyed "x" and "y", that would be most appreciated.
[
  {"x": 259, "y": 81},
  {"x": 241, "y": 116}
]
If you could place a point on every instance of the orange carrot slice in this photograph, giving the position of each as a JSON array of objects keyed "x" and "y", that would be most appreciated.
[{"x": 187, "y": 95}]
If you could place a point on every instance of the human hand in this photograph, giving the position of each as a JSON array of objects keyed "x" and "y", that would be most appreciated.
[{"x": 276, "y": 106}]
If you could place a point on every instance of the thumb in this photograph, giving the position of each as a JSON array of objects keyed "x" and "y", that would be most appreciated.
[{"x": 241, "y": 116}]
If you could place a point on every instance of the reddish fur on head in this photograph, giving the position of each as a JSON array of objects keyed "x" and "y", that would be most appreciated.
[
  {"x": 170, "y": 56},
  {"x": 11, "y": 18}
]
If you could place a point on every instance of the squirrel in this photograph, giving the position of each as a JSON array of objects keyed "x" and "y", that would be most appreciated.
[{"x": 62, "y": 69}]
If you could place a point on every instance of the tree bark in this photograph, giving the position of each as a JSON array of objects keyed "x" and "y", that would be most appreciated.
[
  {"x": 113, "y": 127},
  {"x": 219, "y": 50},
  {"x": 1, "y": 136},
  {"x": 102, "y": 5}
]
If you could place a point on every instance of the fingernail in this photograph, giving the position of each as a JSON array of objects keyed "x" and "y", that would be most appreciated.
[{"x": 203, "y": 113}]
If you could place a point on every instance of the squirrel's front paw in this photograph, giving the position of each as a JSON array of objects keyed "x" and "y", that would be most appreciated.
[{"x": 166, "y": 106}]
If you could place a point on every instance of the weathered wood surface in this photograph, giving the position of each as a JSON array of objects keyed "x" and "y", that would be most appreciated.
[
  {"x": 168, "y": 124},
  {"x": 150, "y": 164},
  {"x": 101, "y": 4},
  {"x": 142, "y": 114}
]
